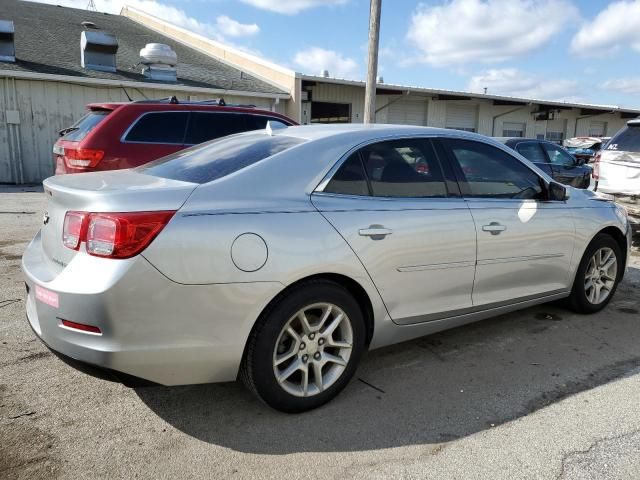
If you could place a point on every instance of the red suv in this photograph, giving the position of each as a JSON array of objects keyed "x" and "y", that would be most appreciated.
[{"x": 124, "y": 135}]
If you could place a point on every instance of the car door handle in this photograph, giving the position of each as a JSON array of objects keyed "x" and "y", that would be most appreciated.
[
  {"x": 375, "y": 231},
  {"x": 494, "y": 228}
]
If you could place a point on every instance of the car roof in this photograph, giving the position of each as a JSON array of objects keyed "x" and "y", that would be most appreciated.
[
  {"x": 184, "y": 106},
  {"x": 360, "y": 131}
]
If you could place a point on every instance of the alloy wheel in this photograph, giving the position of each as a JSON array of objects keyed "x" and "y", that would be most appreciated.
[
  {"x": 600, "y": 276},
  {"x": 313, "y": 349}
]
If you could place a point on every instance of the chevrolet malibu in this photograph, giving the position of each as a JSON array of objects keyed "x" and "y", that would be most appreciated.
[{"x": 280, "y": 256}]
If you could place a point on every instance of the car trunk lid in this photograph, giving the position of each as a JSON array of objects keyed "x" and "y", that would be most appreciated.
[{"x": 112, "y": 191}]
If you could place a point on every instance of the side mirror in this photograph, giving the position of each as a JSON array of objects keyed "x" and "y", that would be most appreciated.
[{"x": 556, "y": 192}]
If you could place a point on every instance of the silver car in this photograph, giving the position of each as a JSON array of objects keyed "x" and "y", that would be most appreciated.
[{"x": 279, "y": 256}]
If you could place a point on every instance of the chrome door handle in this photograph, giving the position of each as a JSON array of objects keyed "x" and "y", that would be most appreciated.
[
  {"x": 494, "y": 228},
  {"x": 375, "y": 231}
]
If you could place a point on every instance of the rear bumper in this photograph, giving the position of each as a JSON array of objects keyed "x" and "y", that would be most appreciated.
[{"x": 152, "y": 328}]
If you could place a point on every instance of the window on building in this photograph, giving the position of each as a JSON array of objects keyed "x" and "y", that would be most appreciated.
[
  {"x": 326, "y": 112},
  {"x": 511, "y": 129},
  {"x": 597, "y": 129},
  {"x": 555, "y": 137}
]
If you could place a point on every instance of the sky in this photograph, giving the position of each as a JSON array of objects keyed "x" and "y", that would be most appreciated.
[{"x": 567, "y": 50}]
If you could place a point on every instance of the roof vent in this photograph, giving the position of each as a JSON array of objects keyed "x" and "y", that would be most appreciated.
[
  {"x": 380, "y": 79},
  {"x": 98, "y": 50},
  {"x": 159, "y": 62},
  {"x": 7, "y": 45},
  {"x": 324, "y": 73},
  {"x": 87, "y": 24}
]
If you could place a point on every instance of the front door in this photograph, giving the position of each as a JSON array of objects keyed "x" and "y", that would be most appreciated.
[
  {"x": 392, "y": 205},
  {"x": 525, "y": 243}
]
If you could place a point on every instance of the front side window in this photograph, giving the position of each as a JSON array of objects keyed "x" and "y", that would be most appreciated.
[
  {"x": 259, "y": 122},
  {"x": 557, "y": 155},
  {"x": 492, "y": 173},
  {"x": 159, "y": 127},
  {"x": 532, "y": 152}
]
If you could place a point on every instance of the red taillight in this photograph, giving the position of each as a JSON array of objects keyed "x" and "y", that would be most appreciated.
[
  {"x": 82, "y": 157},
  {"x": 73, "y": 229},
  {"x": 81, "y": 326},
  {"x": 596, "y": 166},
  {"x": 117, "y": 235}
]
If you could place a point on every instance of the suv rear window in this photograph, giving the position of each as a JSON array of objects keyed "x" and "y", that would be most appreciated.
[
  {"x": 626, "y": 140},
  {"x": 216, "y": 159},
  {"x": 84, "y": 126}
]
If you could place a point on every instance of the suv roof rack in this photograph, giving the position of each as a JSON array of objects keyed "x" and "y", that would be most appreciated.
[{"x": 214, "y": 101}]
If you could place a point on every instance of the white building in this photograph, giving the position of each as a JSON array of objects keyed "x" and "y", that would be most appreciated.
[{"x": 47, "y": 88}]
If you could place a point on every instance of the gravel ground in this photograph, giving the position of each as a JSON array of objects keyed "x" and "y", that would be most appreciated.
[{"x": 541, "y": 393}]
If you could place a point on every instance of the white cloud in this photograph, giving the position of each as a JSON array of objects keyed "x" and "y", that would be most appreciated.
[
  {"x": 624, "y": 85},
  {"x": 461, "y": 31},
  {"x": 291, "y": 7},
  {"x": 233, "y": 28},
  {"x": 314, "y": 60},
  {"x": 616, "y": 26},
  {"x": 223, "y": 27},
  {"x": 513, "y": 82}
]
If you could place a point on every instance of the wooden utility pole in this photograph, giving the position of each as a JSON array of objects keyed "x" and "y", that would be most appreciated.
[{"x": 372, "y": 64}]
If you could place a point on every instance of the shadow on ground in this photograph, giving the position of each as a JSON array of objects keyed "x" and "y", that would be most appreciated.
[{"x": 430, "y": 390}]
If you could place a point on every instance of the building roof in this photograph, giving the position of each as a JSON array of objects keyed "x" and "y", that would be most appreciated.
[
  {"x": 394, "y": 89},
  {"x": 47, "y": 41}
]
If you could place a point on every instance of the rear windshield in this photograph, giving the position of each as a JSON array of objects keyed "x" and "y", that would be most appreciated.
[
  {"x": 626, "y": 140},
  {"x": 83, "y": 127},
  {"x": 218, "y": 158}
]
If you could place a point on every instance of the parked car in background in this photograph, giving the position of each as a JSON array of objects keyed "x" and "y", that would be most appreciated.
[
  {"x": 585, "y": 148},
  {"x": 552, "y": 159},
  {"x": 617, "y": 169},
  {"x": 281, "y": 255},
  {"x": 112, "y": 136}
]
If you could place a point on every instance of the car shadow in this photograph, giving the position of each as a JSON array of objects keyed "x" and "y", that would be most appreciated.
[{"x": 431, "y": 390}]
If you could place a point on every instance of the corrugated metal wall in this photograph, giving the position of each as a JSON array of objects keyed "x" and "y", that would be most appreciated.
[{"x": 45, "y": 107}]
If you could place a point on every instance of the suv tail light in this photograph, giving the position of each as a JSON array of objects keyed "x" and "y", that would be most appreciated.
[
  {"x": 82, "y": 157},
  {"x": 596, "y": 166},
  {"x": 114, "y": 235}
]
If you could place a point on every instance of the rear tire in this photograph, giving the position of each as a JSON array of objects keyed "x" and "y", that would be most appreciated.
[
  {"x": 598, "y": 275},
  {"x": 305, "y": 348}
]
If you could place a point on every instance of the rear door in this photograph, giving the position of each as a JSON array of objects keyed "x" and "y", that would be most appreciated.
[
  {"x": 402, "y": 215},
  {"x": 525, "y": 243}
]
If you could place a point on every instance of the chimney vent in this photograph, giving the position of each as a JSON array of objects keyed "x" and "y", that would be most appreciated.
[
  {"x": 7, "y": 45},
  {"x": 159, "y": 62},
  {"x": 98, "y": 50},
  {"x": 324, "y": 73}
]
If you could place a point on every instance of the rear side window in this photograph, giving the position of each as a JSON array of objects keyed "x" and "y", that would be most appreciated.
[
  {"x": 349, "y": 179},
  {"x": 258, "y": 122},
  {"x": 204, "y": 126},
  {"x": 84, "y": 126},
  {"x": 532, "y": 152},
  {"x": 626, "y": 140},
  {"x": 218, "y": 158},
  {"x": 159, "y": 127}
]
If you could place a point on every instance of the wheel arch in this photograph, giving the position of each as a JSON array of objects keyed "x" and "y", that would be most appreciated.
[{"x": 619, "y": 237}]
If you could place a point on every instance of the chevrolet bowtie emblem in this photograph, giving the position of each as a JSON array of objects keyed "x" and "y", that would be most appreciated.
[{"x": 45, "y": 218}]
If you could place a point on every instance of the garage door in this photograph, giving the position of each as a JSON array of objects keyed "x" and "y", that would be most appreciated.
[
  {"x": 408, "y": 112},
  {"x": 462, "y": 117},
  {"x": 597, "y": 129},
  {"x": 513, "y": 129}
]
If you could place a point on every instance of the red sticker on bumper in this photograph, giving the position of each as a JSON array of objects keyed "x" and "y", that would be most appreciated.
[{"x": 47, "y": 296}]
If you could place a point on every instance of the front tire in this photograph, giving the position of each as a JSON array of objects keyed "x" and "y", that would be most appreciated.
[
  {"x": 598, "y": 275},
  {"x": 305, "y": 348}
]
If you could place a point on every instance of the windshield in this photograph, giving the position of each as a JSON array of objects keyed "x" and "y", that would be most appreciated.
[
  {"x": 84, "y": 126},
  {"x": 626, "y": 140},
  {"x": 218, "y": 158}
]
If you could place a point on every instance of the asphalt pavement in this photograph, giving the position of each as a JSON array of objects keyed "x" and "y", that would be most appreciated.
[{"x": 540, "y": 393}]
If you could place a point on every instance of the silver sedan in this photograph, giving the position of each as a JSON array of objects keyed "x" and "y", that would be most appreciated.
[{"x": 280, "y": 256}]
